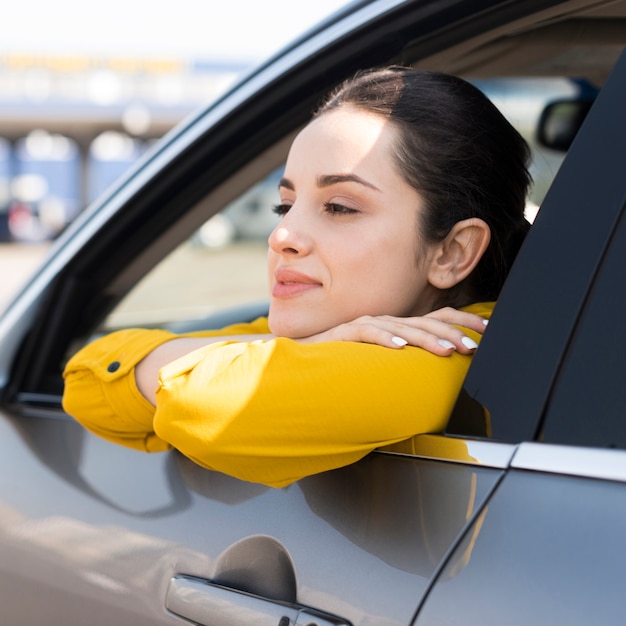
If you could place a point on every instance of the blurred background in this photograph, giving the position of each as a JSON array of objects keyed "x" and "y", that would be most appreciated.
[{"x": 85, "y": 89}]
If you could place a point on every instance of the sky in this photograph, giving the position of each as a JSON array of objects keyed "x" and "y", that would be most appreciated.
[{"x": 238, "y": 30}]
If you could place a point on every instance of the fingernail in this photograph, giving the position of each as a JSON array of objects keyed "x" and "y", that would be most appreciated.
[
  {"x": 399, "y": 341},
  {"x": 445, "y": 343},
  {"x": 469, "y": 343},
  {"x": 485, "y": 322}
]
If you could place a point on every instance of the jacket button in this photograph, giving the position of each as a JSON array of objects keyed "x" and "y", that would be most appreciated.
[{"x": 113, "y": 367}]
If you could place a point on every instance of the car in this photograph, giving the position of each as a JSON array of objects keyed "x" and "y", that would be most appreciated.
[{"x": 523, "y": 526}]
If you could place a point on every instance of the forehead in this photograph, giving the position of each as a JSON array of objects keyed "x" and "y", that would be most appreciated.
[
  {"x": 345, "y": 135},
  {"x": 346, "y": 144}
]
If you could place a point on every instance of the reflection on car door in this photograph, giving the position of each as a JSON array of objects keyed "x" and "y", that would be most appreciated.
[{"x": 359, "y": 543}]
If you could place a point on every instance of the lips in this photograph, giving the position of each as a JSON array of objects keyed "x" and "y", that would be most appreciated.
[{"x": 289, "y": 283}]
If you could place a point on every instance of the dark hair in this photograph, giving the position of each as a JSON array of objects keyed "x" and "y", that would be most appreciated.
[{"x": 460, "y": 153}]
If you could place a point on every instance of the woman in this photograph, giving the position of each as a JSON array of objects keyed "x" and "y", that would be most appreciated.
[{"x": 402, "y": 198}]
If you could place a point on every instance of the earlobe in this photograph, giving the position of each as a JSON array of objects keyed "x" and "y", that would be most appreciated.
[{"x": 458, "y": 254}]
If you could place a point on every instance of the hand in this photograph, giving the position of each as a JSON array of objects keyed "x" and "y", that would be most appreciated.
[{"x": 436, "y": 332}]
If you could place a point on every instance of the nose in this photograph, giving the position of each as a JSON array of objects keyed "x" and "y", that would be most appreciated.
[{"x": 290, "y": 236}]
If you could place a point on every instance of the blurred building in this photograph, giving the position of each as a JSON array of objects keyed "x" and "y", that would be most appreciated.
[{"x": 70, "y": 125}]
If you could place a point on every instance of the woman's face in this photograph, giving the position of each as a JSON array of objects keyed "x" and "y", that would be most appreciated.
[{"x": 347, "y": 243}]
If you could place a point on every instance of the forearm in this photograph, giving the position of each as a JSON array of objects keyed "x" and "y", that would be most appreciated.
[
  {"x": 147, "y": 370},
  {"x": 434, "y": 333},
  {"x": 276, "y": 411},
  {"x": 100, "y": 390},
  {"x": 100, "y": 387},
  {"x": 273, "y": 412}
]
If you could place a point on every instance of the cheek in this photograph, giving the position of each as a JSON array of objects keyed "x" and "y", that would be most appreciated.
[
  {"x": 391, "y": 272},
  {"x": 394, "y": 256},
  {"x": 351, "y": 267},
  {"x": 361, "y": 278}
]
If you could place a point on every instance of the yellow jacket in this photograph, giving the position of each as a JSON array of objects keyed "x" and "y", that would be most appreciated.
[{"x": 265, "y": 411}]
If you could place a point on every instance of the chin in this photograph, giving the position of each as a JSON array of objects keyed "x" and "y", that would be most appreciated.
[
  {"x": 281, "y": 326},
  {"x": 286, "y": 326},
  {"x": 290, "y": 331}
]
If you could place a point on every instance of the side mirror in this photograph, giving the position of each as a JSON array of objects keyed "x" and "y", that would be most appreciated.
[{"x": 560, "y": 121}]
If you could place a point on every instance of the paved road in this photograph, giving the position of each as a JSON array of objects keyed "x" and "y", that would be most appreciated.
[{"x": 17, "y": 263}]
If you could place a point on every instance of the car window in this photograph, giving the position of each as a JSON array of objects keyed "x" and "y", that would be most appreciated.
[
  {"x": 222, "y": 266},
  {"x": 588, "y": 404}
]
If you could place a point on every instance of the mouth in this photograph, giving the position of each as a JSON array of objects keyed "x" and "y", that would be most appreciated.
[{"x": 289, "y": 283}]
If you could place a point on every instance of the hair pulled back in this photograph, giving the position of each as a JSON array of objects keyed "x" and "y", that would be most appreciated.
[{"x": 460, "y": 153}]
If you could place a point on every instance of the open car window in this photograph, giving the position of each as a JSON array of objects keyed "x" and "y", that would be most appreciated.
[{"x": 218, "y": 275}]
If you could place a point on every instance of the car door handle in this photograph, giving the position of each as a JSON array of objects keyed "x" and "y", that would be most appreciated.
[{"x": 208, "y": 604}]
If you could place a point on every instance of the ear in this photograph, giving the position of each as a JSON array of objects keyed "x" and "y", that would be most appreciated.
[{"x": 455, "y": 258}]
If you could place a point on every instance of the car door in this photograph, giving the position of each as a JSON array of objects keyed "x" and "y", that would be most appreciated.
[
  {"x": 102, "y": 534},
  {"x": 548, "y": 546}
]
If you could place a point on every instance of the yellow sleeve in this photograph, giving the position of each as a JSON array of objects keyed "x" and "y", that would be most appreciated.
[
  {"x": 276, "y": 411},
  {"x": 100, "y": 390}
]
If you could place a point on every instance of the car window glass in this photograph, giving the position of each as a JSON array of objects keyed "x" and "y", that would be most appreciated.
[{"x": 588, "y": 404}]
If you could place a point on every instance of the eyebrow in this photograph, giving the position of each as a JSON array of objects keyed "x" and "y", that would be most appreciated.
[{"x": 326, "y": 180}]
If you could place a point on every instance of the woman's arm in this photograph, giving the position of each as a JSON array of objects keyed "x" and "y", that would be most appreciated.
[
  {"x": 269, "y": 411},
  {"x": 147, "y": 370},
  {"x": 100, "y": 390},
  {"x": 436, "y": 332},
  {"x": 276, "y": 411}
]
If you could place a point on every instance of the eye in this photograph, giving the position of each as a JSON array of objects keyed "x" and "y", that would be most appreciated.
[
  {"x": 338, "y": 209},
  {"x": 281, "y": 209}
]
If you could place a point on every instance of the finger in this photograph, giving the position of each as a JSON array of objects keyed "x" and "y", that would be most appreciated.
[
  {"x": 423, "y": 332},
  {"x": 397, "y": 335},
  {"x": 460, "y": 318},
  {"x": 440, "y": 338},
  {"x": 384, "y": 331},
  {"x": 424, "y": 340},
  {"x": 438, "y": 321},
  {"x": 445, "y": 340}
]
